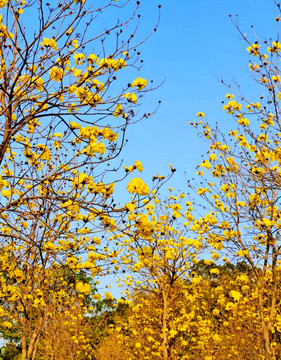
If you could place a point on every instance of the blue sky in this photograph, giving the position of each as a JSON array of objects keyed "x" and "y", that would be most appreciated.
[{"x": 195, "y": 44}]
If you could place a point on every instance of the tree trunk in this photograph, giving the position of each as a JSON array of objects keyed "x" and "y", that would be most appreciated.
[
  {"x": 34, "y": 337},
  {"x": 23, "y": 346},
  {"x": 265, "y": 328},
  {"x": 164, "y": 326}
]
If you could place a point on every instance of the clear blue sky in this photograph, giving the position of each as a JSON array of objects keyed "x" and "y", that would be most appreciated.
[{"x": 195, "y": 43}]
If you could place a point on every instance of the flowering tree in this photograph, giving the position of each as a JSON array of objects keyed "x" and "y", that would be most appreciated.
[
  {"x": 63, "y": 118},
  {"x": 242, "y": 186},
  {"x": 159, "y": 253},
  {"x": 212, "y": 314}
]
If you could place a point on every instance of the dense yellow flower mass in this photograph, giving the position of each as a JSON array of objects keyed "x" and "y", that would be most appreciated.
[
  {"x": 201, "y": 278},
  {"x": 139, "y": 83},
  {"x": 56, "y": 74},
  {"x": 83, "y": 288},
  {"x": 137, "y": 186},
  {"x": 3, "y": 3}
]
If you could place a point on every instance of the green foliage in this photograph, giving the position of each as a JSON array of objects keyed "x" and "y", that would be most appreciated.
[{"x": 10, "y": 352}]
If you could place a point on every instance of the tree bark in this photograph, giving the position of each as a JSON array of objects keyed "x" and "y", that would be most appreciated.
[
  {"x": 164, "y": 326},
  {"x": 265, "y": 330},
  {"x": 23, "y": 346},
  {"x": 34, "y": 337}
]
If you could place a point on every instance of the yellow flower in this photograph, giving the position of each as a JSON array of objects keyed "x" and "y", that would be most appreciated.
[
  {"x": 53, "y": 44},
  {"x": 73, "y": 125},
  {"x": 173, "y": 333},
  {"x": 3, "y": 3},
  {"x": 56, "y": 74},
  {"x": 139, "y": 83},
  {"x": 79, "y": 58},
  {"x": 92, "y": 58},
  {"x": 6, "y": 324},
  {"x": 39, "y": 84},
  {"x": 108, "y": 296},
  {"x": 254, "y": 49},
  {"x": 214, "y": 271},
  {"x": 50, "y": 246},
  {"x": 176, "y": 214},
  {"x": 3, "y": 183},
  {"x": 83, "y": 288},
  {"x": 216, "y": 312},
  {"x": 235, "y": 295},
  {"x": 6, "y": 193},
  {"x": 275, "y": 47},
  {"x": 69, "y": 31},
  {"x": 75, "y": 43},
  {"x": 243, "y": 121},
  {"x": 131, "y": 97},
  {"x": 216, "y": 337},
  {"x": 232, "y": 106},
  {"x": 59, "y": 135},
  {"x": 137, "y": 186},
  {"x": 202, "y": 191},
  {"x": 138, "y": 165},
  {"x": 212, "y": 157},
  {"x": 49, "y": 42},
  {"x": 118, "y": 110},
  {"x": 97, "y": 297}
]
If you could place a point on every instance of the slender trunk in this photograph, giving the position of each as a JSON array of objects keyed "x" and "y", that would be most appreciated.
[
  {"x": 34, "y": 337},
  {"x": 23, "y": 346},
  {"x": 164, "y": 326},
  {"x": 35, "y": 348},
  {"x": 265, "y": 330}
]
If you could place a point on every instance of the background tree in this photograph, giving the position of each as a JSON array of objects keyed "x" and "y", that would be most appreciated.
[
  {"x": 242, "y": 190},
  {"x": 159, "y": 253},
  {"x": 212, "y": 314}
]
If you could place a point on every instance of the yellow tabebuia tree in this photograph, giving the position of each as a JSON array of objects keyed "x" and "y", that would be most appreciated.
[
  {"x": 63, "y": 116},
  {"x": 241, "y": 184},
  {"x": 158, "y": 253},
  {"x": 212, "y": 314}
]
